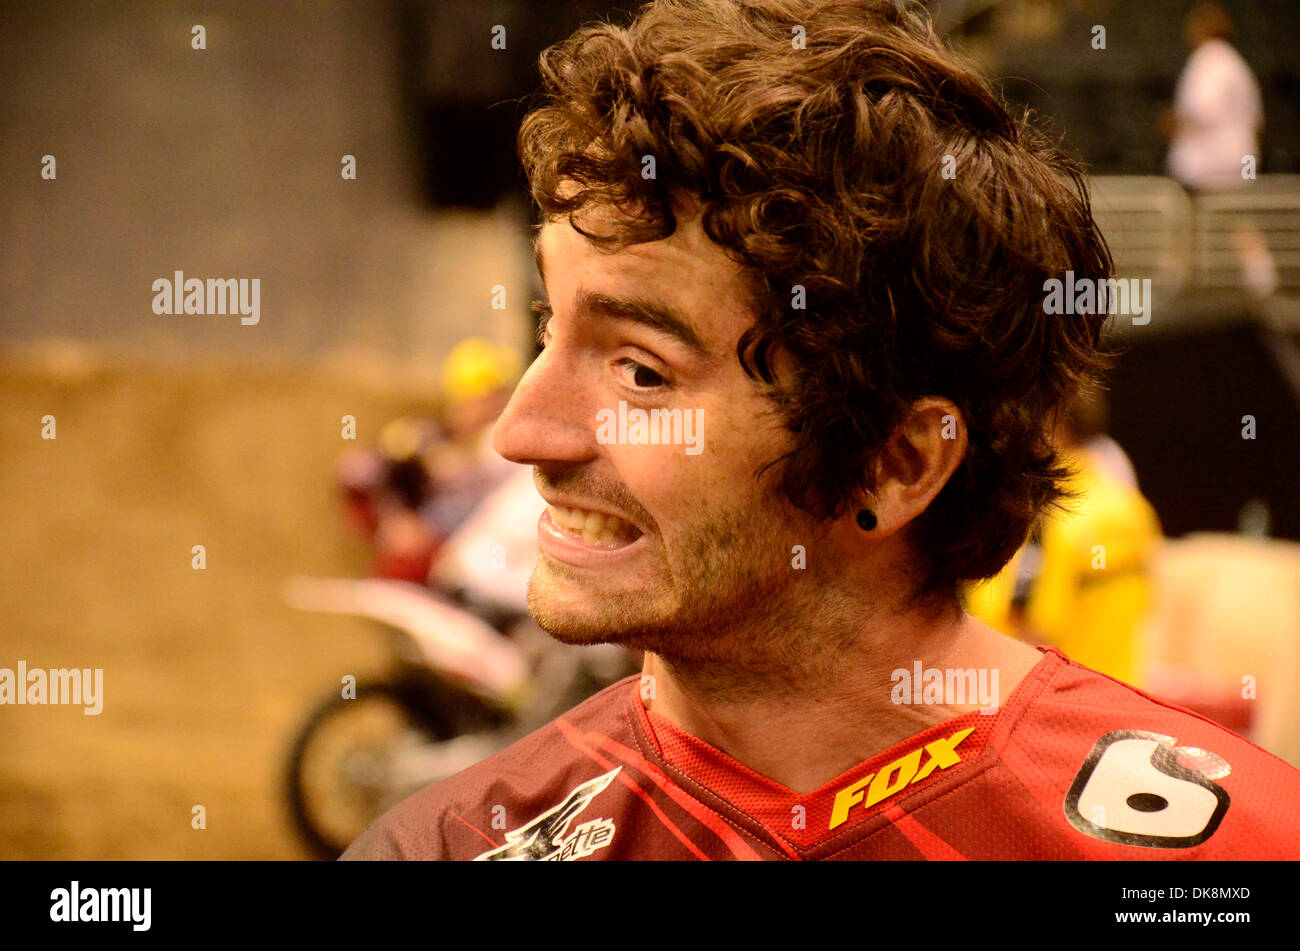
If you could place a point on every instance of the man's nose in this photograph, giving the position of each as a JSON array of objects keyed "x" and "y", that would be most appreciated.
[{"x": 546, "y": 419}]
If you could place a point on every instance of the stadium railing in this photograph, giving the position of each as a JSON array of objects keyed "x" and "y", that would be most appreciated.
[{"x": 1157, "y": 230}]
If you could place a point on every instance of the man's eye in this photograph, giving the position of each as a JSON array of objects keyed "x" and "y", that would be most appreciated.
[{"x": 641, "y": 376}]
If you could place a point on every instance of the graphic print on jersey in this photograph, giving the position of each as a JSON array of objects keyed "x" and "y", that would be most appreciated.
[
  {"x": 543, "y": 839},
  {"x": 1137, "y": 788}
]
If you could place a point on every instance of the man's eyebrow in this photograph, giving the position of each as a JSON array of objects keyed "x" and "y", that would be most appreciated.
[{"x": 657, "y": 316}]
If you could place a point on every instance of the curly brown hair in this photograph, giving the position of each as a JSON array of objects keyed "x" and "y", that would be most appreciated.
[{"x": 841, "y": 147}]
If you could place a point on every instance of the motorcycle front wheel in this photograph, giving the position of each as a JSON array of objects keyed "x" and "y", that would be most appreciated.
[{"x": 340, "y": 771}]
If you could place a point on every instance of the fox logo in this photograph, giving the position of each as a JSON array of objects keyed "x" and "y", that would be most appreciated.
[{"x": 544, "y": 840}]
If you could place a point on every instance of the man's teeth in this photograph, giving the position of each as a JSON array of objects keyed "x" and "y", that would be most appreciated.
[{"x": 596, "y": 528}]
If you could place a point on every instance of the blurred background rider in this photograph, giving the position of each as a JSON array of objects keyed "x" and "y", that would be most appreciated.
[
  {"x": 1083, "y": 580},
  {"x": 411, "y": 493}
]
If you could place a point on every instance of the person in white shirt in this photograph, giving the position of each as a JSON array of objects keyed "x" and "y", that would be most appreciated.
[
  {"x": 1218, "y": 111},
  {"x": 1214, "y": 133}
]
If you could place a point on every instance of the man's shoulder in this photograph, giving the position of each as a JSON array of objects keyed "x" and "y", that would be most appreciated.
[
  {"x": 1130, "y": 768},
  {"x": 530, "y": 775},
  {"x": 1077, "y": 699}
]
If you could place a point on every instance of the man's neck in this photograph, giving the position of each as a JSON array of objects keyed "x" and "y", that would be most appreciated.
[{"x": 805, "y": 736}]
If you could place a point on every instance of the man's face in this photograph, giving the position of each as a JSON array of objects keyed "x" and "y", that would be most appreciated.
[{"x": 700, "y": 550}]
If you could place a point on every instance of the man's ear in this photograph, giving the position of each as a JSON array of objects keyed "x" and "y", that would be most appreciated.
[{"x": 917, "y": 461}]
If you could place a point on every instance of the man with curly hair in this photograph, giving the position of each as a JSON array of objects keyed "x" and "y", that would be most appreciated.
[{"x": 812, "y": 236}]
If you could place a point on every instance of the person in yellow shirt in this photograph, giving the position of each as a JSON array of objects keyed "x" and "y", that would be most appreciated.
[{"x": 1083, "y": 580}]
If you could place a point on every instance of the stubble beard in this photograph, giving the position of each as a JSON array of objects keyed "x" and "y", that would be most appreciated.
[{"x": 728, "y": 610}]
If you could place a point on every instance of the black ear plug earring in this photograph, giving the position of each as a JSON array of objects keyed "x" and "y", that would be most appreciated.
[{"x": 866, "y": 520}]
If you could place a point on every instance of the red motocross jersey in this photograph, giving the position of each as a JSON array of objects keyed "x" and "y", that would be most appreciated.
[{"x": 1075, "y": 766}]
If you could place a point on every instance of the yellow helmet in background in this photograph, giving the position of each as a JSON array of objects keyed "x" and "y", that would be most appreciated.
[{"x": 476, "y": 367}]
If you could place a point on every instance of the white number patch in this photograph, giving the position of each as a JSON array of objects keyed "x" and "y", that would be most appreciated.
[{"x": 1137, "y": 788}]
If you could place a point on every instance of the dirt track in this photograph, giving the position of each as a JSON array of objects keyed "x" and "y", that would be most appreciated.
[{"x": 206, "y": 673}]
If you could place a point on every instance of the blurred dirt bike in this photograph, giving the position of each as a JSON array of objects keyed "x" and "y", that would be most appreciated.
[{"x": 465, "y": 682}]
